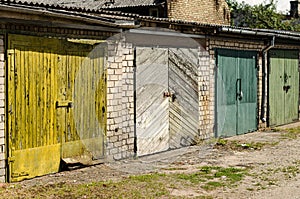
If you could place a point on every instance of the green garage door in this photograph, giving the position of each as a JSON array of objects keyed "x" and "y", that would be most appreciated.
[
  {"x": 236, "y": 92},
  {"x": 283, "y": 87}
]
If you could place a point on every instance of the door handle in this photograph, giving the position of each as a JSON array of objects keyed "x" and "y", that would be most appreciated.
[
  {"x": 63, "y": 104},
  {"x": 239, "y": 92}
]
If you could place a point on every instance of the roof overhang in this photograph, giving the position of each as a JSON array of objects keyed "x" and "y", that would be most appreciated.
[{"x": 61, "y": 18}]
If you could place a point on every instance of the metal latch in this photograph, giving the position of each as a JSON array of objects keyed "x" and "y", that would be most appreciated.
[
  {"x": 16, "y": 175},
  {"x": 169, "y": 94},
  {"x": 11, "y": 159},
  {"x": 66, "y": 105},
  {"x": 63, "y": 104}
]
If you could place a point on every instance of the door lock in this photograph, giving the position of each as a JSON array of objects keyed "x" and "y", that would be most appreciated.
[
  {"x": 169, "y": 94},
  {"x": 286, "y": 88},
  {"x": 240, "y": 95}
]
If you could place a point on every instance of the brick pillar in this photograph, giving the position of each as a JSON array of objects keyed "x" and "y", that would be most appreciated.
[
  {"x": 2, "y": 110},
  {"x": 205, "y": 97},
  {"x": 120, "y": 100}
]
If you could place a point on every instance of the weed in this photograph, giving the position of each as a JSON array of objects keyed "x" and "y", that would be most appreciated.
[
  {"x": 232, "y": 174},
  {"x": 221, "y": 142},
  {"x": 239, "y": 145},
  {"x": 212, "y": 185},
  {"x": 272, "y": 183},
  {"x": 292, "y": 133},
  {"x": 275, "y": 129},
  {"x": 193, "y": 178},
  {"x": 146, "y": 178}
]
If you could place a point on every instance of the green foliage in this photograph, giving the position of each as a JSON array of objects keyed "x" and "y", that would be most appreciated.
[{"x": 263, "y": 16}]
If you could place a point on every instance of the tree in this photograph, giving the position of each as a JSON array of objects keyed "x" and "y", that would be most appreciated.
[{"x": 262, "y": 16}]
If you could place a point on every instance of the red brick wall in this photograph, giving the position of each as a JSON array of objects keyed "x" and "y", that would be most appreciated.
[{"x": 202, "y": 11}]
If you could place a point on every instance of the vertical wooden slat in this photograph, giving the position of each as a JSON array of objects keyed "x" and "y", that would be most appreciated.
[
  {"x": 18, "y": 102},
  {"x": 52, "y": 62},
  {"x": 61, "y": 96},
  {"x": 11, "y": 96},
  {"x": 46, "y": 111},
  {"x": 38, "y": 68}
]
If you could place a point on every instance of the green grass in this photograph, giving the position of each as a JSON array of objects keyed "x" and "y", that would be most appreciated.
[
  {"x": 232, "y": 174},
  {"x": 292, "y": 133},
  {"x": 215, "y": 177},
  {"x": 213, "y": 185},
  {"x": 154, "y": 185},
  {"x": 241, "y": 145}
]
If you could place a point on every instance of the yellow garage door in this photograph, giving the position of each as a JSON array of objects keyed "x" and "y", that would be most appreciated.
[{"x": 56, "y": 104}]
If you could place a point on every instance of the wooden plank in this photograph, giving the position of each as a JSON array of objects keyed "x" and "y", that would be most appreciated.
[
  {"x": 18, "y": 101},
  {"x": 11, "y": 96},
  {"x": 53, "y": 61},
  {"x": 32, "y": 162}
]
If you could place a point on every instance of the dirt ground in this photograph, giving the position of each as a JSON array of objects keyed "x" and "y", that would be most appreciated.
[{"x": 272, "y": 157}]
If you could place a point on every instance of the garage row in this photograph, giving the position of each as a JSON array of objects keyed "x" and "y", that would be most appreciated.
[{"x": 85, "y": 97}]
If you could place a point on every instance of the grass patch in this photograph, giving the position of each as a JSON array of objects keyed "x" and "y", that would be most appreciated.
[
  {"x": 153, "y": 185},
  {"x": 213, "y": 185},
  {"x": 232, "y": 174},
  {"x": 240, "y": 145},
  {"x": 292, "y": 133},
  {"x": 214, "y": 177}
]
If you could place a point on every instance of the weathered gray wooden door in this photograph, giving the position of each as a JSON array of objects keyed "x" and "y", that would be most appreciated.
[
  {"x": 152, "y": 116},
  {"x": 184, "y": 104},
  {"x": 236, "y": 92},
  {"x": 283, "y": 86},
  {"x": 166, "y": 98}
]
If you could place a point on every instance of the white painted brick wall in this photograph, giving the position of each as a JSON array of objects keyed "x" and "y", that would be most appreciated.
[
  {"x": 2, "y": 111},
  {"x": 120, "y": 126}
]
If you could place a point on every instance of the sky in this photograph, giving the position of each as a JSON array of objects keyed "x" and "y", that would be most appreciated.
[{"x": 282, "y": 5}]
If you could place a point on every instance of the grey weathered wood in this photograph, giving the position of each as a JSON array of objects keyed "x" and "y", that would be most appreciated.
[
  {"x": 162, "y": 123},
  {"x": 184, "y": 111},
  {"x": 152, "y": 115}
]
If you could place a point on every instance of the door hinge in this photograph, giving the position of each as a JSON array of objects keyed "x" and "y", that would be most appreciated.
[
  {"x": 16, "y": 175},
  {"x": 11, "y": 159},
  {"x": 10, "y": 51}
]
